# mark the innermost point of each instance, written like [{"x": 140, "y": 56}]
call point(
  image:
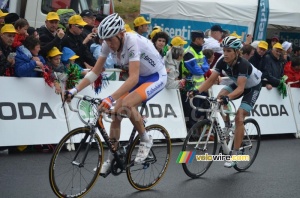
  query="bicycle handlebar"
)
[
  {"x": 210, "y": 99},
  {"x": 95, "y": 101}
]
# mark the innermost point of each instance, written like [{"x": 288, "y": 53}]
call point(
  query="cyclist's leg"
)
[
  {"x": 149, "y": 87},
  {"x": 224, "y": 92},
  {"x": 249, "y": 98}
]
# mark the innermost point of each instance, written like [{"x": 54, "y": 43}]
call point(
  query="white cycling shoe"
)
[{"x": 144, "y": 149}]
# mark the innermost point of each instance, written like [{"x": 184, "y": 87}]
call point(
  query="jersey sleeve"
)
[
  {"x": 219, "y": 65},
  {"x": 133, "y": 49},
  {"x": 104, "y": 50}
]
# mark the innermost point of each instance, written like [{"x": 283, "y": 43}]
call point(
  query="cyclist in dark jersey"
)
[{"x": 246, "y": 82}]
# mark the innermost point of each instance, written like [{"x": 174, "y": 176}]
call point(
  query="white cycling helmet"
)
[
  {"x": 232, "y": 42},
  {"x": 110, "y": 26}
]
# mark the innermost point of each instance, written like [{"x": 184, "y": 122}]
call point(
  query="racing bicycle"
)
[
  {"x": 203, "y": 137},
  {"x": 72, "y": 171}
]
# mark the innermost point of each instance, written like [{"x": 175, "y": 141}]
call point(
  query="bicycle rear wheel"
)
[
  {"x": 199, "y": 141},
  {"x": 71, "y": 172},
  {"x": 146, "y": 175},
  {"x": 250, "y": 144}
]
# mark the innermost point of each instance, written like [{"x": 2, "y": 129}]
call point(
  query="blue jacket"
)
[{"x": 24, "y": 66}]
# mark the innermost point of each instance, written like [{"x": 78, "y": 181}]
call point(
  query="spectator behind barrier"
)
[
  {"x": 141, "y": 25},
  {"x": 160, "y": 41},
  {"x": 292, "y": 70},
  {"x": 172, "y": 62},
  {"x": 259, "y": 54},
  {"x": 49, "y": 34},
  {"x": 58, "y": 69},
  {"x": 89, "y": 17},
  {"x": 287, "y": 50},
  {"x": 247, "y": 51},
  {"x": 7, "y": 56},
  {"x": 28, "y": 61},
  {"x": 21, "y": 26},
  {"x": 96, "y": 50},
  {"x": 74, "y": 41},
  {"x": 3, "y": 13},
  {"x": 273, "y": 65}
]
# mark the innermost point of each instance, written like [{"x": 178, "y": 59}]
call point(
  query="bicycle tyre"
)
[
  {"x": 250, "y": 144},
  {"x": 75, "y": 180},
  {"x": 146, "y": 175},
  {"x": 194, "y": 168}
]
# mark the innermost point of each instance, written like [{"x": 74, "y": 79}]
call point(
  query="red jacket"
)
[
  {"x": 292, "y": 74},
  {"x": 18, "y": 41}
]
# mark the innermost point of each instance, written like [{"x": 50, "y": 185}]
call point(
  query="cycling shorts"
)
[{"x": 250, "y": 95}]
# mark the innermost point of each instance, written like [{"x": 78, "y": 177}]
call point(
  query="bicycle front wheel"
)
[
  {"x": 250, "y": 144},
  {"x": 147, "y": 174},
  {"x": 199, "y": 143},
  {"x": 72, "y": 165}
]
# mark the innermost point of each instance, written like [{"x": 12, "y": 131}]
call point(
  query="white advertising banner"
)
[
  {"x": 295, "y": 101},
  {"x": 273, "y": 113},
  {"x": 31, "y": 113}
]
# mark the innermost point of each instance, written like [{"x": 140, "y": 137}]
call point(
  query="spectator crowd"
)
[{"x": 57, "y": 52}]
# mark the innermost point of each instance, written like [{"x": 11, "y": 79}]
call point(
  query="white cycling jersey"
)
[{"x": 136, "y": 48}]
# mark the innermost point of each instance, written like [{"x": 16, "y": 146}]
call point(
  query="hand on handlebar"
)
[
  {"x": 225, "y": 99},
  {"x": 106, "y": 103},
  {"x": 69, "y": 94}
]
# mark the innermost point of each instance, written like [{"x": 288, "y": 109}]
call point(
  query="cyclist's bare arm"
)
[
  {"x": 241, "y": 82},
  {"x": 97, "y": 69},
  {"x": 134, "y": 68}
]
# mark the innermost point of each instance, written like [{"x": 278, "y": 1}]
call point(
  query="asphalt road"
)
[{"x": 275, "y": 173}]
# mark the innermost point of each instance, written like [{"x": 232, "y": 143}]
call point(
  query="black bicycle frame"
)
[{"x": 110, "y": 144}]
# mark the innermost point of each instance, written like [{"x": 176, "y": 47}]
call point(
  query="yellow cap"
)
[
  {"x": 3, "y": 14},
  {"x": 277, "y": 46},
  {"x": 52, "y": 16},
  {"x": 74, "y": 57},
  {"x": 235, "y": 35},
  {"x": 152, "y": 34},
  {"x": 54, "y": 52},
  {"x": 263, "y": 44},
  {"x": 177, "y": 41},
  {"x": 127, "y": 28},
  {"x": 8, "y": 28},
  {"x": 140, "y": 21},
  {"x": 76, "y": 20}
]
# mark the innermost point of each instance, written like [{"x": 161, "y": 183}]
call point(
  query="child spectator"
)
[
  {"x": 58, "y": 69},
  {"x": 21, "y": 26},
  {"x": 74, "y": 71}
]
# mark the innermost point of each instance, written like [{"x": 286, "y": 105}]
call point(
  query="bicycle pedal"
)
[{"x": 104, "y": 175}]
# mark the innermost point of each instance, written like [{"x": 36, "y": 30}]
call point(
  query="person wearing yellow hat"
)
[
  {"x": 178, "y": 41},
  {"x": 3, "y": 13},
  {"x": 7, "y": 38},
  {"x": 257, "y": 59},
  {"x": 49, "y": 34},
  {"x": 58, "y": 69},
  {"x": 140, "y": 25},
  {"x": 128, "y": 28},
  {"x": 75, "y": 41},
  {"x": 273, "y": 67}
]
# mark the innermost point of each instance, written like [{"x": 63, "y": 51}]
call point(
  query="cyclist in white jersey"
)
[
  {"x": 147, "y": 77},
  {"x": 246, "y": 83}
]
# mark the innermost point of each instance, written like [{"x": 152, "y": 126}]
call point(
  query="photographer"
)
[{"x": 7, "y": 57}]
